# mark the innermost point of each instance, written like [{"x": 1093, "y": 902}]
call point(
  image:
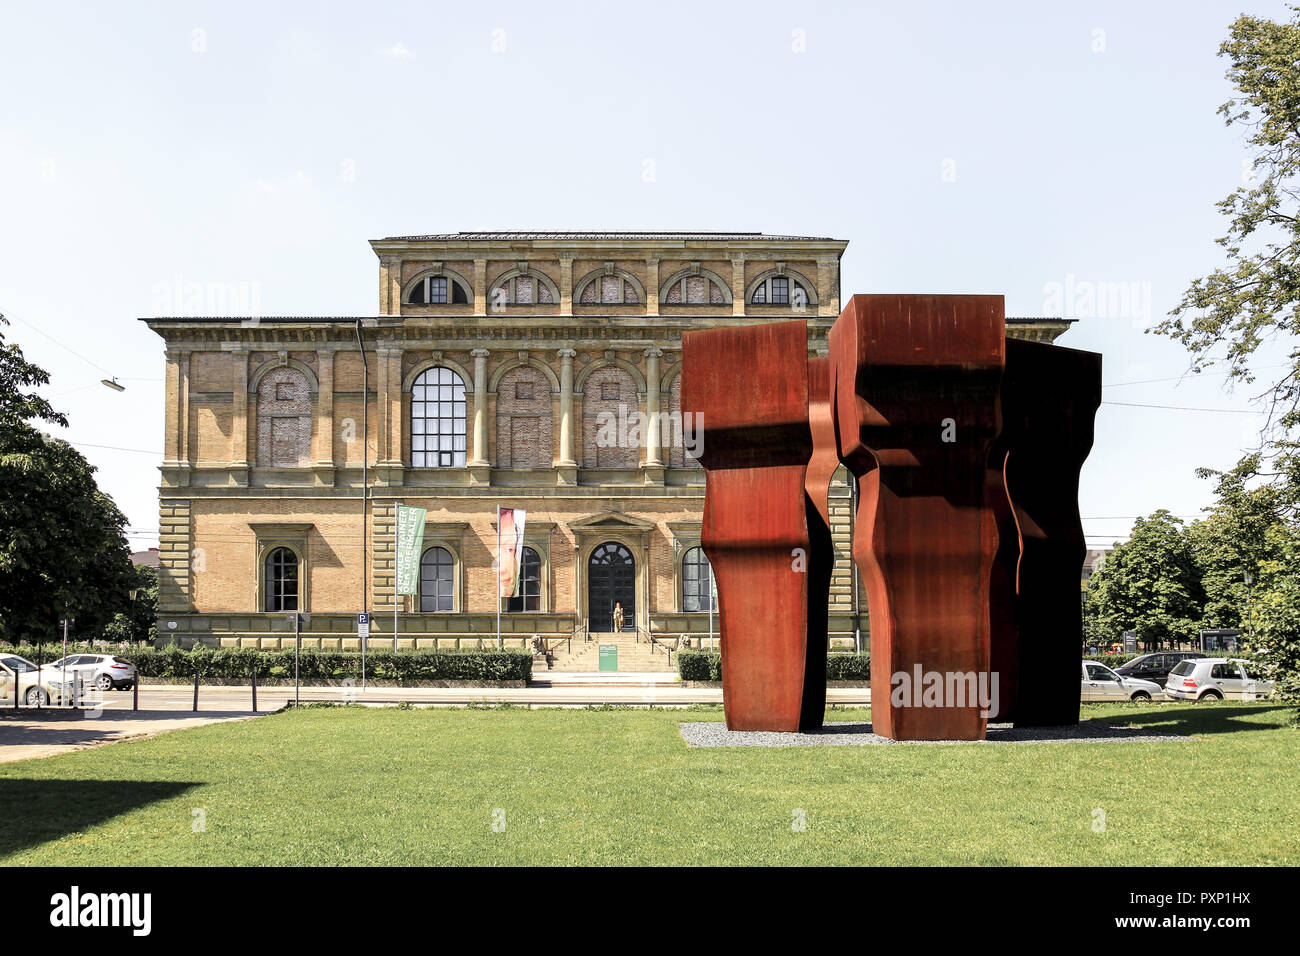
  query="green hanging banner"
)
[{"x": 410, "y": 540}]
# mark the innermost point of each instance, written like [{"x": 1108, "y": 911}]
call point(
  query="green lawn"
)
[{"x": 363, "y": 786}]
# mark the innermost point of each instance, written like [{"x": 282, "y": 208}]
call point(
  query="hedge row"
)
[
  {"x": 705, "y": 666},
  {"x": 237, "y": 663}
]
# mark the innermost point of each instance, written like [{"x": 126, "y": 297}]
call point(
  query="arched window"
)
[
  {"x": 609, "y": 403},
  {"x": 697, "y": 581},
  {"x": 438, "y": 420},
  {"x": 282, "y": 580},
  {"x": 283, "y": 418},
  {"x": 524, "y": 431},
  {"x": 698, "y": 288},
  {"x": 437, "y": 576},
  {"x": 780, "y": 290},
  {"x": 523, "y": 288},
  {"x": 530, "y": 583},
  {"x": 436, "y": 289},
  {"x": 608, "y": 287}
]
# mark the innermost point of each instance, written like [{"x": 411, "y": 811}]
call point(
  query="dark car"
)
[{"x": 1155, "y": 667}]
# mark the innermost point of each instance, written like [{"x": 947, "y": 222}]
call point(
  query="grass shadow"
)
[
  {"x": 1206, "y": 718},
  {"x": 38, "y": 811}
]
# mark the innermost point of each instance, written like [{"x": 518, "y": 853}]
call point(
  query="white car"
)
[
  {"x": 1216, "y": 678},
  {"x": 36, "y": 686},
  {"x": 1099, "y": 682},
  {"x": 97, "y": 670}
]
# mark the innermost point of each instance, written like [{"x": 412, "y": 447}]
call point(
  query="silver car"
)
[
  {"x": 1099, "y": 682},
  {"x": 97, "y": 670},
  {"x": 1216, "y": 678}
]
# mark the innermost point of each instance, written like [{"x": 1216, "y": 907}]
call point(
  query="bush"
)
[
  {"x": 704, "y": 666},
  {"x": 237, "y": 663}
]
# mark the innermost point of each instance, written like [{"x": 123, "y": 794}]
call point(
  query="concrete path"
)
[{"x": 56, "y": 732}]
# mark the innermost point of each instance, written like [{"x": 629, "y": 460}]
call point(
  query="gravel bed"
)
[{"x": 858, "y": 734}]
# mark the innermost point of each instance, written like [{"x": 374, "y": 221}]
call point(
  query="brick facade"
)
[{"x": 269, "y": 421}]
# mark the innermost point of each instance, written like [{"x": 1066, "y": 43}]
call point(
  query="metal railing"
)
[{"x": 654, "y": 642}]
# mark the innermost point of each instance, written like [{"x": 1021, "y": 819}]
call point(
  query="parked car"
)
[
  {"x": 98, "y": 670},
  {"x": 1216, "y": 678},
  {"x": 1155, "y": 667},
  {"x": 1099, "y": 682},
  {"x": 35, "y": 685}
]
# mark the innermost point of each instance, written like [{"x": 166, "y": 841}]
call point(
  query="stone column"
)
[
  {"x": 478, "y": 457},
  {"x": 394, "y": 401},
  {"x": 653, "y": 453},
  {"x": 566, "y": 287},
  {"x": 480, "y": 287},
  {"x": 738, "y": 285},
  {"x": 566, "y": 407},
  {"x": 239, "y": 416},
  {"x": 324, "y": 453},
  {"x": 652, "y": 287}
]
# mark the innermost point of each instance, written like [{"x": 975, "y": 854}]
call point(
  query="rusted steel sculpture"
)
[
  {"x": 916, "y": 400},
  {"x": 821, "y": 549},
  {"x": 749, "y": 387},
  {"x": 1050, "y": 396}
]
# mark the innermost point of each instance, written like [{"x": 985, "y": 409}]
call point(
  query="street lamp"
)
[{"x": 113, "y": 383}]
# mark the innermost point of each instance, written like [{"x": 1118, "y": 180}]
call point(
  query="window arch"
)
[
  {"x": 524, "y": 429},
  {"x": 523, "y": 287},
  {"x": 695, "y": 287},
  {"x": 283, "y": 417},
  {"x": 609, "y": 397},
  {"x": 697, "y": 581},
  {"x": 438, "y": 419},
  {"x": 437, "y": 580},
  {"x": 609, "y": 286},
  {"x": 437, "y": 288},
  {"x": 782, "y": 287},
  {"x": 530, "y": 583},
  {"x": 282, "y": 580}
]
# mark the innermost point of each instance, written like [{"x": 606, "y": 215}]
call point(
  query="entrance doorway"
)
[{"x": 611, "y": 579}]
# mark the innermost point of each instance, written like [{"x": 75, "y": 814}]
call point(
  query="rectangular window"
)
[
  {"x": 780, "y": 290},
  {"x": 438, "y": 290}
]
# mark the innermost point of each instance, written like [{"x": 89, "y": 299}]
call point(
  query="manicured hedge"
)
[
  {"x": 704, "y": 666},
  {"x": 236, "y": 663}
]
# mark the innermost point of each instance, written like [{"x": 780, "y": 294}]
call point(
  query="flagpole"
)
[
  {"x": 397, "y": 513},
  {"x": 498, "y": 580}
]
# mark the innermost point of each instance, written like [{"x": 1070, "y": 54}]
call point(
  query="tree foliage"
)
[
  {"x": 1149, "y": 584},
  {"x": 62, "y": 547}
]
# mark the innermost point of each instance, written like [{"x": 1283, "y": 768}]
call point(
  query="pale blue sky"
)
[{"x": 255, "y": 147}]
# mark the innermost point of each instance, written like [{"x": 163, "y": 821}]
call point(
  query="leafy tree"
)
[
  {"x": 1253, "y": 299},
  {"x": 62, "y": 547},
  {"x": 1231, "y": 542},
  {"x": 1149, "y": 584}
]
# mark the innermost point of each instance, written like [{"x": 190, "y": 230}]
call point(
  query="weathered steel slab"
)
[
  {"x": 748, "y": 388},
  {"x": 1050, "y": 397},
  {"x": 916, "y": 399}
]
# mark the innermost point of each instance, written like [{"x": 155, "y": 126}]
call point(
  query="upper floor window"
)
[
  {"x": 530, "y": 583},
  {"x": 282, "y": 580},
  {"x": 517, "y": 287},
  {"x": 437, "y": 290},
  {"x": 283, "y": 418},
  {"x": 438, "y": 420},
  {"x": 780, "y": 290},
  {"x": 699, "y": 287},
  {"x": 608, "y": 287}
]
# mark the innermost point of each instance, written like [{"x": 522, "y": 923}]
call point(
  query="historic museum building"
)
[{"x": 529, "y": 370}]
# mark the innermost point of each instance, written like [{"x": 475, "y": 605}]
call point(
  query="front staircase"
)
[{"x": 583, "y": 657}]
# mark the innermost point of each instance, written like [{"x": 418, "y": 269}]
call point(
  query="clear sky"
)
[{"x": 1066, "y": 155}]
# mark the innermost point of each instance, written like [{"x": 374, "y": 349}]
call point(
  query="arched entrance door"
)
[{"x": 611, "y": 579}]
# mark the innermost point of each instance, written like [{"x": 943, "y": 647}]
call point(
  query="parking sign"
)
[{"x": 363, "y": 625}]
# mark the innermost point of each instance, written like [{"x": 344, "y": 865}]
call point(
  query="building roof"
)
[
  {"x": 598, "y": 235},
  {"x": 353, "y": 319}
]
